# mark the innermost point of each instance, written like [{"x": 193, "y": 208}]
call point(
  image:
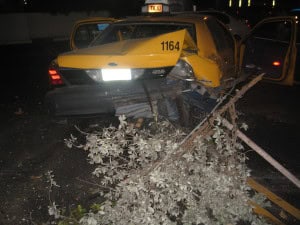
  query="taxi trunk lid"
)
[{"x": 160, "y": 51}]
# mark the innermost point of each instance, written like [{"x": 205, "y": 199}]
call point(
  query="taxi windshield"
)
[{"x": 121, "y": 32}]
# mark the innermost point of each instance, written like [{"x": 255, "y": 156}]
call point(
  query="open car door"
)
[
  {"x": 84, "y": 31},
  {"x": 270, "y": 48}
]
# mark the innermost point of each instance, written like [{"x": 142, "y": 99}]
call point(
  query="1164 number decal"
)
[{"x": 170, "y": 45}]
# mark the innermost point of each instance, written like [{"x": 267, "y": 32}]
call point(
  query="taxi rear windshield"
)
[{"x": 121, "y": 32}]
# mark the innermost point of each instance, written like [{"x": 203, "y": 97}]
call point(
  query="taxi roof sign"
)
[{"x": 156, "y": 6}]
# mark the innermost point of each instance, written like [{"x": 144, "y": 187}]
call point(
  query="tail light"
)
[
  {"x": 276, "y": 63},
  {"x": 55, "y": 78}
]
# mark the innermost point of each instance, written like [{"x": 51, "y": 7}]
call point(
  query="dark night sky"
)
[
  {"x": 65, "y": 6},
  {"x": 116, "y": 7}
]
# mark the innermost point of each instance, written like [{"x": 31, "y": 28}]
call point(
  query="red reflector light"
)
[
  {"x": 55, "y": 78},
  {"x": 276, "y": 63},
  {"x": 52, "y": 71}
]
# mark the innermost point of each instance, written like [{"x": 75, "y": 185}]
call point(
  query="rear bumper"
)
[
  {"x": 105, "y": 98},
  {"x": 77, "y": 101}
]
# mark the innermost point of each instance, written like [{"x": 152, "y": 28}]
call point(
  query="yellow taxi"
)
[{"x": 141, "y": 64}]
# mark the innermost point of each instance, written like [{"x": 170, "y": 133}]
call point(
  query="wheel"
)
[
  {"x": 194, "y": 107},
  {"x": 184, "y": 110}
]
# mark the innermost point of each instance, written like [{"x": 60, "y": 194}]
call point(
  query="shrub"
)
[{"x": 145, "y": 182}]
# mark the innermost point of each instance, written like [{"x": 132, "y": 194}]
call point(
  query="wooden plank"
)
[
  {"x": 265, "y": 213},
  {"x": 274, "y": 198}
]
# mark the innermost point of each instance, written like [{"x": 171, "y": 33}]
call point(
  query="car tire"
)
[{"x": 184, "y": 109}]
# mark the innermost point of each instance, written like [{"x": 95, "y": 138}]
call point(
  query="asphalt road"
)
[{"x": 31, "y": 143}]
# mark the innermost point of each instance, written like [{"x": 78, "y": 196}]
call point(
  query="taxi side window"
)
[
  {"x": 221, "y": 36},
  {"x": 86, "y": 33},
  {"x": 81, "y": 34},
  {"x": 277, "y": 31}
]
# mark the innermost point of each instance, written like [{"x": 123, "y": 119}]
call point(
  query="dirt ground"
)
[{"x": 31, "y": 144}]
